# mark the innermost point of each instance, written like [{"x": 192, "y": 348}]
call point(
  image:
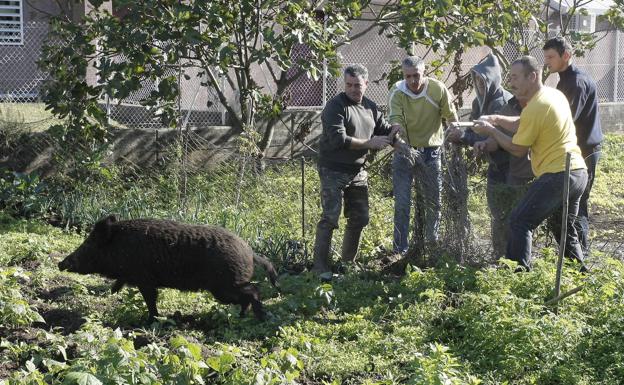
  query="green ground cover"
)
[{"x": 446, "y": 325}]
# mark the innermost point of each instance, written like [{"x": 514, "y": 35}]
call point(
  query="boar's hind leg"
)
[
  {"x": 150, "y": 295},
  {"x": 117, "y": 285},
  {"x": 249, "y": 295}
]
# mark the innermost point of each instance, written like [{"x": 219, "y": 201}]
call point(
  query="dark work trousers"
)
[
  {"x": 336, "y": 187},
  {"x": 582, "y": 220},
  {"x": 501, "y": 199},
  {"x": 543, "y": 199}
]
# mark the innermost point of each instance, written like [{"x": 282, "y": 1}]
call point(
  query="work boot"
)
[
  {"x": 322, "y": 246},
  {"x": 351, "y": 243}
]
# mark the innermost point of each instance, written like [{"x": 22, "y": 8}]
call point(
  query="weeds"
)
[{"x": 448, "y": 325}]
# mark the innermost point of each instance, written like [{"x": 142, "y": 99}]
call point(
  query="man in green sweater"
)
[
  {"x": 352, "y": 125},
  {"x": 418, "y": 104}
]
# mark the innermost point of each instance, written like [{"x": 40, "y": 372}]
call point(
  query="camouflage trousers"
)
[{"x": 336, "y": 187}]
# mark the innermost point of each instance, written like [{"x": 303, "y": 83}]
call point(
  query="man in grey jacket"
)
[
  {"x": 352, "y": 125},
  {"x": 492, "y": 98}
]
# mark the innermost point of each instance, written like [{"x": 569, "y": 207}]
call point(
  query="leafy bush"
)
[
  {"x": 14, "y": 308},
  {"x": 438, "y": 367},
  {"x": 23, "y": 194}
]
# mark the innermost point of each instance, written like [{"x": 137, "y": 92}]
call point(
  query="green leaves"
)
[
  {"x": 14, "y": 308},
  {"x": 448, "y": 26},
  {"x": 223, "y": 39},
  {"x": 81, "y": 378}
]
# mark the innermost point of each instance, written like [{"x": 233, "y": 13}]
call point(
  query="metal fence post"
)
[
  {"x": 108, "y": 109},
  {"x": 303, "y": 232},
  {"x": 616, "y": 66}
]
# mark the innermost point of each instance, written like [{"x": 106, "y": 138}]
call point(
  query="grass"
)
[{"x": 31, "y": 117}]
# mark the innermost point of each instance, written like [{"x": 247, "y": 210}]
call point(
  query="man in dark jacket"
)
[
  {"x": 491, "y": 99},
  {"x": 580, "y": 90},
  {"x": 503, "y": 195},
  {"x": 352, "y": 125}
]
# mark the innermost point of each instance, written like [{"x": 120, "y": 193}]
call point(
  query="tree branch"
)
[
  {"x": 557, "y": 299},
  {"x": 215, "y": 84}
]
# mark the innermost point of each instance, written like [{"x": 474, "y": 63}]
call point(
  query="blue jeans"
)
[
  {"x": 424, "y": 164},
  {"x": 543, "y": 199}
]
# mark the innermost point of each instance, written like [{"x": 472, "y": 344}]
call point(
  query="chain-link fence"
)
[
  {"x": 604, "y": 63},
  {"x": 275, "y": 204},
  {"x": 198, "y": 105},
  {"x": 193, "y": 174},
  {"x": 20, "y": 77}
]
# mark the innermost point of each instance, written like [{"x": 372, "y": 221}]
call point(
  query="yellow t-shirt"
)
[{"x": 547, "y": 127}]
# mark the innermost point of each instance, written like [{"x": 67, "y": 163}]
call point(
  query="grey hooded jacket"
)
[{"x": 491, "y": 102}]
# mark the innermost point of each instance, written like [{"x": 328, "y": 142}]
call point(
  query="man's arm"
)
[
  {"x": 447, "y": 111},
  {"x": 377, "y": 142},
  {"x": 578, "y": 99},
  {"x": 507, "y": 123},
  {"x": 505, "y": 141}
]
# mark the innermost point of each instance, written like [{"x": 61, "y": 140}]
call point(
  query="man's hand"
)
[
  {"x": 394, "y": 132},
  {"x": 483, "y": 146},
  {"x": 399, "y": 129},
  {"x": 401, "y": 147},
  {"x": 453, "y": 133},
  {"x": 483, "y": 127},
  {"x": 492, "y": 119},
  {"x": 379, "y": 142}
]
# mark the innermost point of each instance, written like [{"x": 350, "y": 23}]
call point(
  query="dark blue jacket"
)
[{"x": 580, "y": 90}]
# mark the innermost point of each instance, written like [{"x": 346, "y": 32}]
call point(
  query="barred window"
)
[{"x": 11, "y": 22}]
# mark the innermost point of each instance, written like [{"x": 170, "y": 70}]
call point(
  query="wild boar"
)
[{"x": 154, "y": 253}]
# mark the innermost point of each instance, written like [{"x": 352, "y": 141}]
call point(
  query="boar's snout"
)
[{"x": 67, "y": 264}]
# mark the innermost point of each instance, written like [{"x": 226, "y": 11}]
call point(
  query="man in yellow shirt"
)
[{"x": 546, "y": 128}]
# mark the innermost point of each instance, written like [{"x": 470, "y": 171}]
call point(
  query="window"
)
[
  {"x": 11, "y": 22},
  {"x": 583, "y": 23}
]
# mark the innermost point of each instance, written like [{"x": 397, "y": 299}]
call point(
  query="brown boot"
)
[
  {"x": 322, "y": 247},
  {"x": 351, "y": 243}
]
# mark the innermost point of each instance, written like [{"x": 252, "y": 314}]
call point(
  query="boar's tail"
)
[{"x": 267, "y": 266}]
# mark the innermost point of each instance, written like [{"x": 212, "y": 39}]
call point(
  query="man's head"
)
[
  {"x": 479, "y": 83},
  {"x": 525, "y": 77},
  {"x": 557, "y": 54},
  {"x": 356, "y": 81},
  {"x": 414, "y": 73}
]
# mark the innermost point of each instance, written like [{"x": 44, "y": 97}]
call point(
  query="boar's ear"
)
[{"x": 103, "y": 229}]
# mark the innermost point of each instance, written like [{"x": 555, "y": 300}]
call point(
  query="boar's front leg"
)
[{"x": 150, "y": 295}]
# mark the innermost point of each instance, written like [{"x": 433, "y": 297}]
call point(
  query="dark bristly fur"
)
[{"x": 154, "y": 253}]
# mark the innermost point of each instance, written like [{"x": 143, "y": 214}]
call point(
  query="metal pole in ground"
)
[
  {"x": 303, "y": 232},
  {"x": 564, "y": 226}
]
